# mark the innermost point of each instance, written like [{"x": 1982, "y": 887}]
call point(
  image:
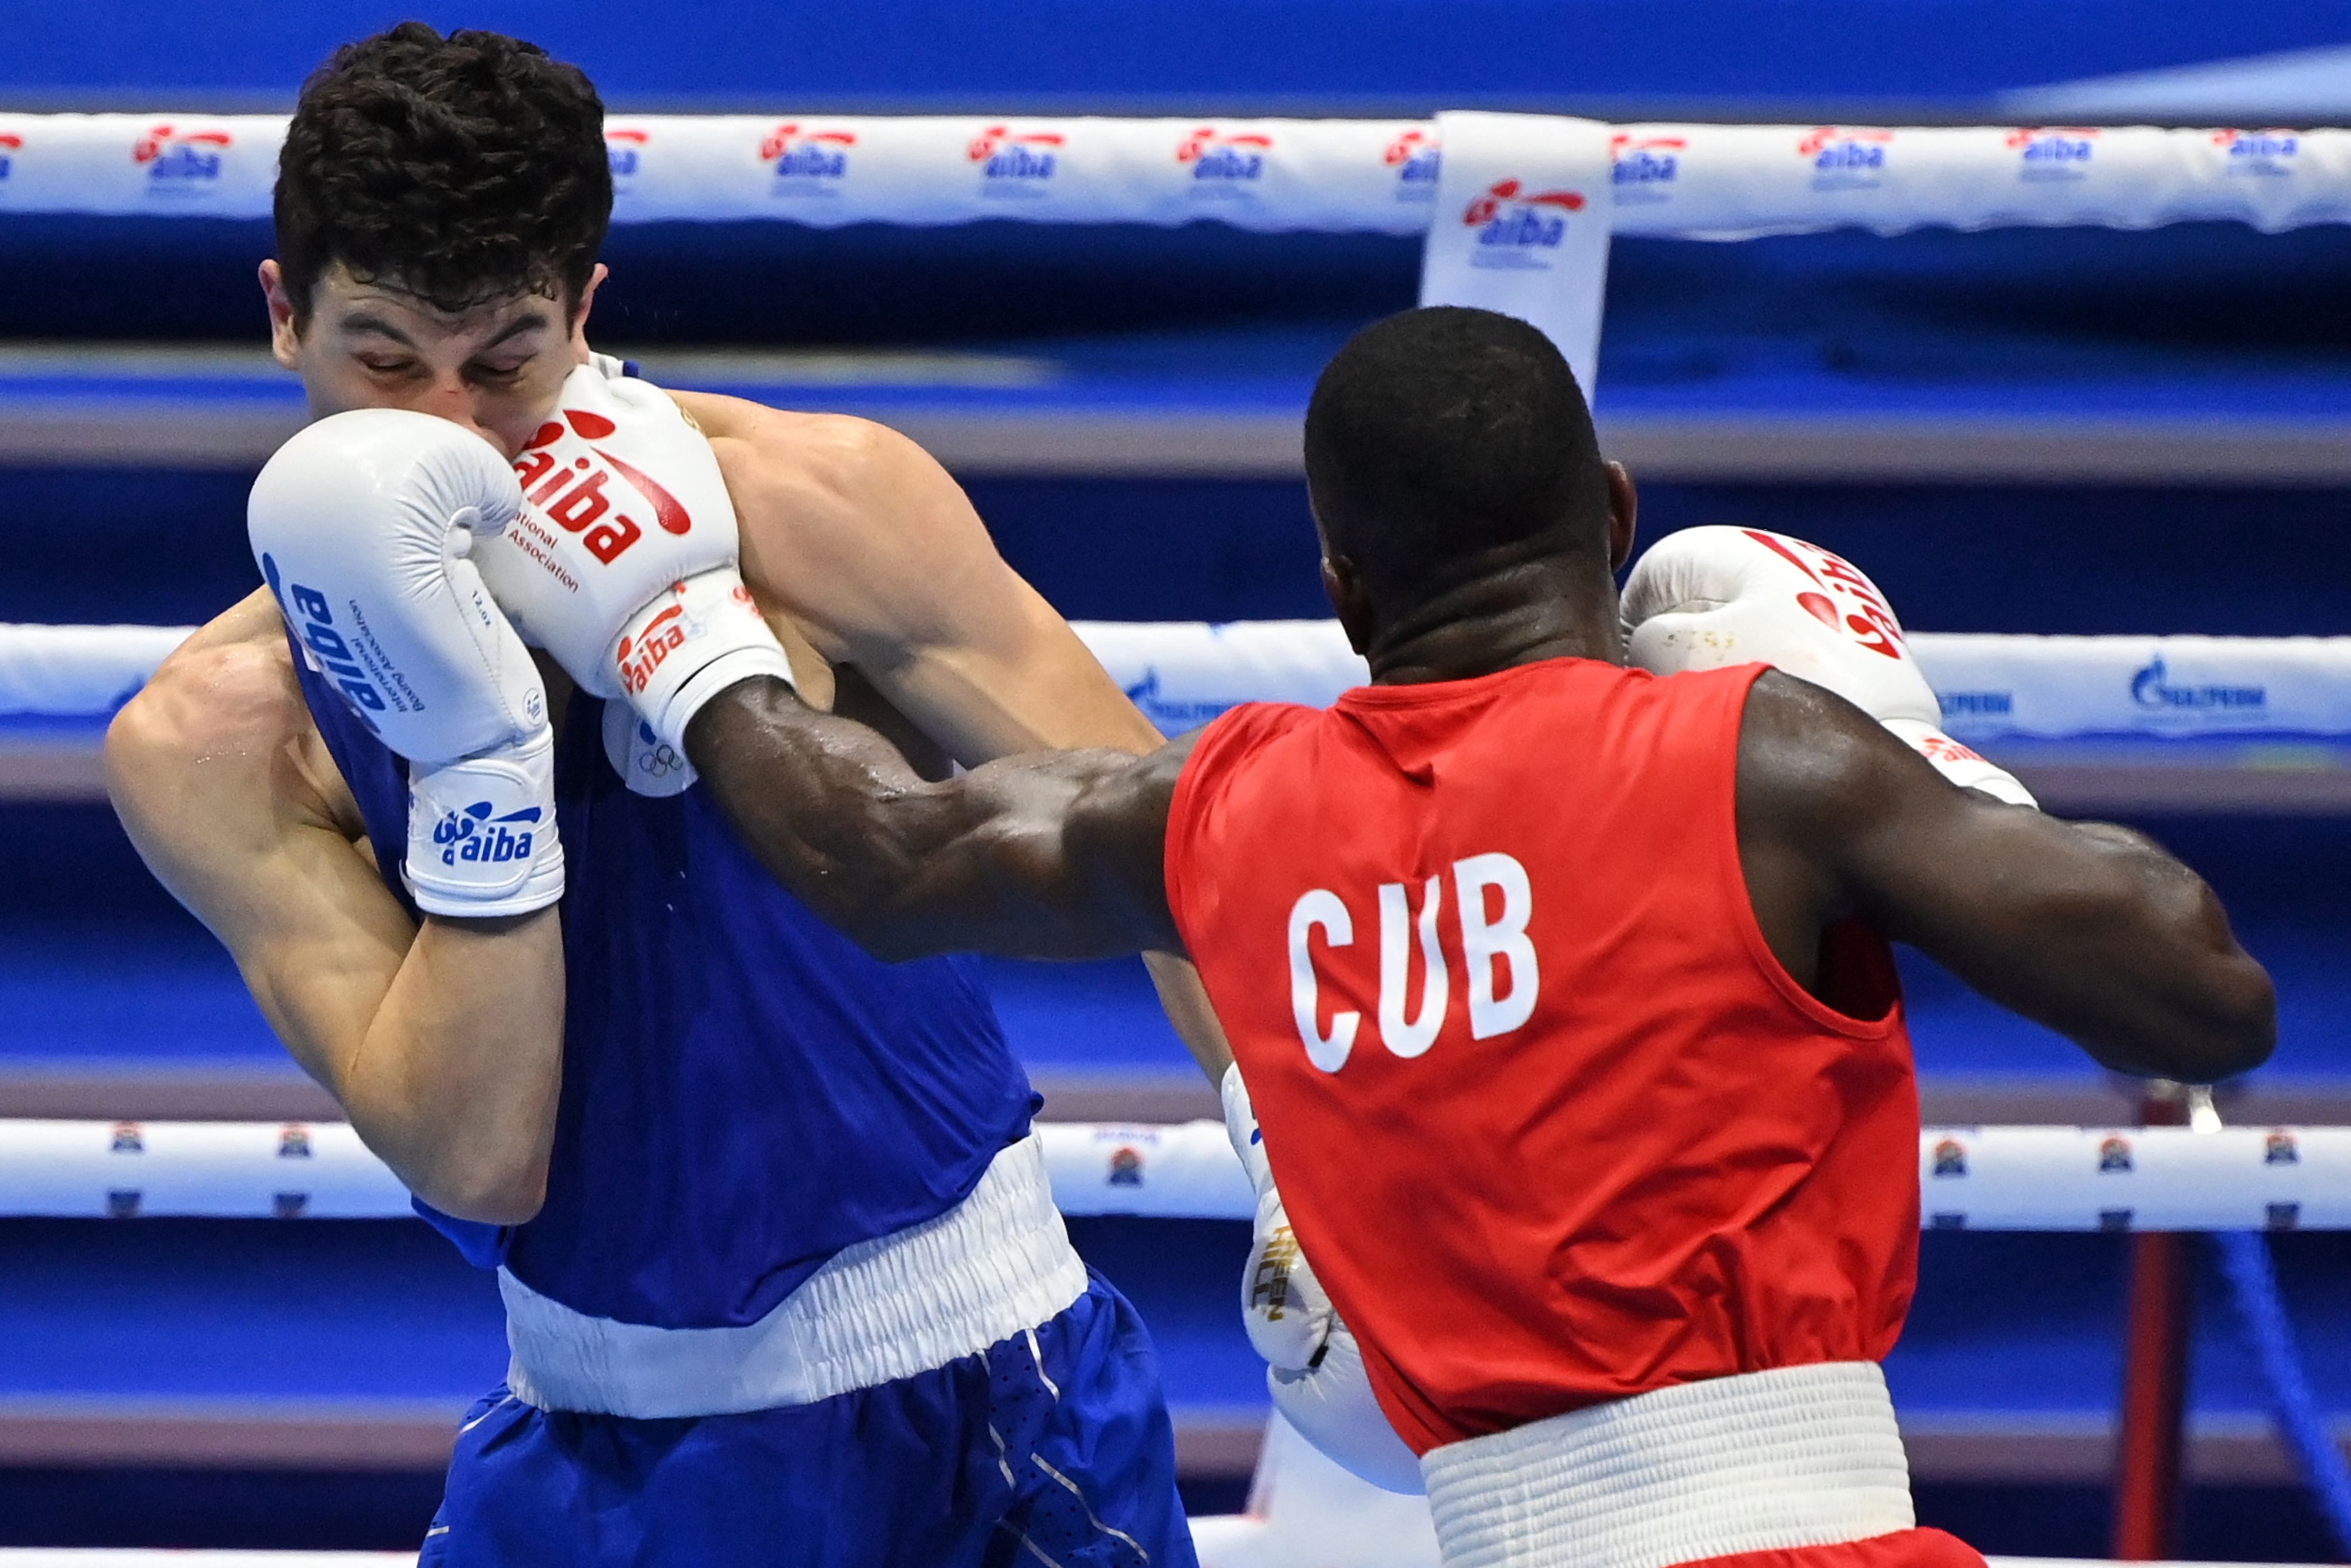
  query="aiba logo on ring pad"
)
[
  {"x": 1015, "y": 163},
  {"x": 178, "y": 160},
  {"x": 1222, "y": 164},
  {"x": 1416, "y": 158},
  {"x": 1643, "y": 168},
  {"x": 10, "y": 145},
  {"x": 2260, "y": 152},
  {"x": 625, "y": 151},
  {"x": 2047, "y": 153},
  {"x": 807, "y": 162},
  {"x": 1520, "y": 228},
  {"x": 1845, "y": 160}
]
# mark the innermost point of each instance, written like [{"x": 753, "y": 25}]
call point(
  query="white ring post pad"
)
[{"x": 1523, "y": 208}]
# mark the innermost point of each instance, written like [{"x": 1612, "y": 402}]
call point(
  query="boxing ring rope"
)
[
  {"x": 1713, "y": 182},
  {"x": 1977, "y": 1178},
  {"x": 1183, "y": 674}
]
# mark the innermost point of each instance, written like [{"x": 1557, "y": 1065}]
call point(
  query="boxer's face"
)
[{"x": 496, "y": 367}]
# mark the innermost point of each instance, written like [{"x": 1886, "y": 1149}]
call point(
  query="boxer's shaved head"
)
[
  {"x": 459, "y": 171},
  {"x": 1441, "y": 436}
]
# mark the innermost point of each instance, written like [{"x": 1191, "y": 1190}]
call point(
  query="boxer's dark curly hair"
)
[
  {"x": 460, "y": 170},
  {"x": 1445, "y": 433}
]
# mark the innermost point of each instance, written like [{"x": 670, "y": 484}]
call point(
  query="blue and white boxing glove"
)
[
  {"x": 363, "y": 526},
  {"x": 1314, "y": 1369},
  {"x": 623, "y": 563},
  {"x": 1706, "y": 597}
]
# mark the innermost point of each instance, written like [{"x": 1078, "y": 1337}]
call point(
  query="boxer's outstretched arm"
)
[
  {"x": 2084, "y": 926},
  {"x": 1044, "y": 855}
]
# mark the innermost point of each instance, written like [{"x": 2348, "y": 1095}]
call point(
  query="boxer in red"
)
[{"x": 1562, "y": 987}]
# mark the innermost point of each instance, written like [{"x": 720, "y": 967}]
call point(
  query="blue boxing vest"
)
[{"x": 745, "y": 1091}]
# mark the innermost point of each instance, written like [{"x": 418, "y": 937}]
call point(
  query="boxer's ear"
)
[
  {"x": 1351, "y": 597},
  {"x": 285, "y": 319},
  {"x": 580, "y": 308},
  {"x": 1624, "y": 515}
]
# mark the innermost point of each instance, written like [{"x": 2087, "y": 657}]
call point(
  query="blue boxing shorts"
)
[{"x": 1051, "y": 1446}]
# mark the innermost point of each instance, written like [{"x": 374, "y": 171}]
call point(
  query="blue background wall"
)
[{"x": 1141, "y": 53}]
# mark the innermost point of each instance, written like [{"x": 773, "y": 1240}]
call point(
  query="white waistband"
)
[
  {"x": 1802, "y": 1456},
  {"x": 997, "y": 1263}
]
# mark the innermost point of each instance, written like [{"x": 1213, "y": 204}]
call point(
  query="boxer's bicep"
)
[
  {"x": 206, "y": 767},
  {"x": 875, "y": 550},
  {"x": 2091, "y": 930}
]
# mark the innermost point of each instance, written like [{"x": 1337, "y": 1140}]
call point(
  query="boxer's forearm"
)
[
  {"x": 453, "y": 1082},
  {"x": 983, "y": 863}
]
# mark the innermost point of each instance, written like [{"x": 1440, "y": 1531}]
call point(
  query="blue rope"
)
[{"x": 2252, "y": 1282}]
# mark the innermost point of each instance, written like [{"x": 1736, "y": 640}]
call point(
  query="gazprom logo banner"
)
[
  {"x": 1521, "y": 225},
  {"x": 2082, "y": 687}
]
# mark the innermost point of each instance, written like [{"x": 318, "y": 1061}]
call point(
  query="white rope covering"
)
[
  {"x": 1990, "y": 1179},
  {"x": 1183, "y": 674},
  {"x": 1718, "y": 182}
]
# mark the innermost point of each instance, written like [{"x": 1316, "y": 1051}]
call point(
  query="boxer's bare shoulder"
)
[
  {"x": 225, "y": 786},
  {"x": 872, "y": 550}
]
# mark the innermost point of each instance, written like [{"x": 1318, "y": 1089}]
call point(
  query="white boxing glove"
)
[
  {"x": 1706, "y": 597},
  {"x": 1314, "y": 1369},
  {"x": 363, "y": 525},
  {"x": 623, "y": 563}
]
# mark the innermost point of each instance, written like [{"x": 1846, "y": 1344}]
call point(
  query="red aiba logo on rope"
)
[
  {"x": 1832, "y": 148},
  {"x": 1645, "y": 159},
  {"x": 625, "y": 151},
  {"x": 1415, "y": 157},
  {"x": 174, "y": 157},
  {"x": 2262, "y": 151},
  {"x": 10, "y": 142},
  {"x": 1508, "y": 214},
  {"x": 1212, "y": 155},
  {"x": 1029, "y": 155},
  {"x": 575, "y": 498},
  {"x": 804, "y": 158}
]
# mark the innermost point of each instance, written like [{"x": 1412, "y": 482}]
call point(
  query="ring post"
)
[{"x": 2154, "y": 1370}]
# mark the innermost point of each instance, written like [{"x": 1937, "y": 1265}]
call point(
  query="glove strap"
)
[
  {"x": 1960, "y": 765},
  {"x": 1240, "y": 1126},
  {"x": 689, "y": 645},
  {"x": 481, "y": 831}
]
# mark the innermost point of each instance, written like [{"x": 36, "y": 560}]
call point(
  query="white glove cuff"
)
[
  {"x": 481, "y": 831},
  {"x": 1960, "y": 765},
  {"x": 691, "y": 643},
  {"x": 1240, "y": 1126}
]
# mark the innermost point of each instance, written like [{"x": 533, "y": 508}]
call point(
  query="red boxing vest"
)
[{"x": 1552, "y": 1124}]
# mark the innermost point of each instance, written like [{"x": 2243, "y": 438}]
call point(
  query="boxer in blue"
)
[{"x": 784, "y": 1280}]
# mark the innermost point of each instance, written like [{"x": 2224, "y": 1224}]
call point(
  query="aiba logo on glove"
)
[
  {"x": 578, "y": 497},
  {"x": 473, "y": 836}
]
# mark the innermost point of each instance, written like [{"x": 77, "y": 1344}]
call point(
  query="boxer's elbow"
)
[
  {"x": 2232, "y": 1022},
  {"x": 487, "y": 1191}
]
